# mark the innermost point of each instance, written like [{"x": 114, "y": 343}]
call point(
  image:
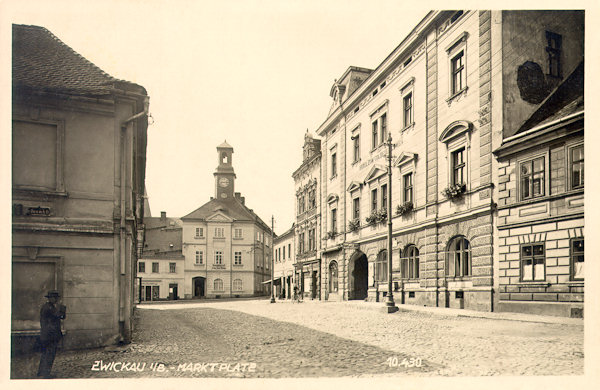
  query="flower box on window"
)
[
  {"x": 377, "y": 216},
  {"x": 331, "y": 235},
  {"x": 404, "y": 208},
  {"x": 454, "y": 191},
  {"x": 353, "y": 224}
]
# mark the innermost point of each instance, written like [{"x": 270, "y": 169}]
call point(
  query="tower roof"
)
[{"x": 225, "y": 145}]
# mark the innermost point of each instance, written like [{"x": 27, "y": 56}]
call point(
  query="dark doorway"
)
[
  {"x": 359, "y": 272},
  {"x": 173, "y": 291},
  {"x": 148, "y": 295},
  {"x": 313, "y": 286},
  {"x": 199, "y": 286}
]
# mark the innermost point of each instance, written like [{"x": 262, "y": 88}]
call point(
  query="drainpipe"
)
[{"x": 122, "y": 230}]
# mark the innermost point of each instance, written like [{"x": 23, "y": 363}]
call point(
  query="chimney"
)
[
  {"x": 243, "y": 200},
  {"x": 163, "y": 216}
]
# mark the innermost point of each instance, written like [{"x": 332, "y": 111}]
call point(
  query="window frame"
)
[
  {"x": 356, "y": 208},
  {"x": 572, "y": 163},
  {"x": 381, "y": 267},
  {"x": 355, "y": 147},
  {"x": 554, "y": 51},
  {"x": 530, "y": 184},
  {"x": 237, "y": 258},
  {"x": 462, "y": 268},
  {"x": 333, "y": 214},
  {"x": 236, "y": 235},
  {"x": 407, "y": 109},
  {"x": 142, "y": 267},
  {"x": 172, "y": 267},
  {"x": 456, "y": 49},
  {"x": 199, "y": 258},
  {"x": 218, "y": 285},
  {"x": 572, "y": 255},
  {"x": 533, "y": 257},
  {"x": 410, "y": 263},
  {"x": 459, "y": 70},
  {"x": 238, "y": 284},
  {"x": 155, "y": 267},
  {"x": 384, "y": 196},
  {"x": 218, "y": 257},
  {"x": 408, "y": 189},
  {"x": 374, "y": 200},
  {"x": 458, "y": 167}
]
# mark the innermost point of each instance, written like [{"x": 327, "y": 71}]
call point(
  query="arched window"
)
[
  {"x": 224, "y": 158},
  {"x": 410, "y": 262},
  {"x": 218, "y": 284},
  {"x": 333, "y": 277},
  {"x": 458, "y": 257},
  {"x": 381, "y": 269},
  {"x": 237, "y": 284}
]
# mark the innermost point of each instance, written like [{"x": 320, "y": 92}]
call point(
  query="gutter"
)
[{"x": 540, "y": 127}]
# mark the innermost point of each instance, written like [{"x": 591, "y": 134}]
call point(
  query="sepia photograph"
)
[{"x": 250, "y": 191}]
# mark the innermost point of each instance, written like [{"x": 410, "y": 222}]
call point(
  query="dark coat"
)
[{"x": 50, "y": 316}]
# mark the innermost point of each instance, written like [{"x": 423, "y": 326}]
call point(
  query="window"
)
[
  {"x": 237, "y": 285},
  {"x": 576, "y": 155},
  {"x": 410, "y": 263},
  {"x": 384, "y": 194},
  {"x": 301, "y": 243},
  {"x": 155, "y": 268},
  {"x": 374, "y": 137},
  {"x": 142, "y": 267},
  {"x": 532, "y": 178},
  {"x": 333, "y": 277},
  {"x": 219, "y": 232},
  {"x": 312, "y": 199},
  {"x": 172, "y": 267},
  {"x": 283, "y": 252},
  {"x": 289, "y": 250},
  {"x": 408, "y": 187},
  {"x": 218, "y": 257},
  {"x": 199, "y": 257},
  {"x": 457, "y": 72},
  {"x": 333, "y": 164},
  {"x": 311, "y": 239},
  {"x": 334, "y": 220},
  {"x": 218, "y": 284},
  {"x": 199, "y": 232},
  {"x": 237, "y": 233},
  {"x": 356, "y": 147},
  {"x": 533, "y": 264},
  {"x": 577, "y": 259},
  {"x": 301, "y": 204},
  {"x": 356, "y": 208},
  {"x": 383, "y": 127},
  {"x": 553, "y": 49},
  {"x": 408, "y": 110},
  {"x": 237, "y": 258},
  {"x": 458, "y": 259},
  {"x": 381, "y": 271},
  {"x": 374, "y": 200},
  {"x": 458, "y": 166}
]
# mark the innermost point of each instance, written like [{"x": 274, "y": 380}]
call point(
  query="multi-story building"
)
[
  {"x": 285, "y": 259},
  {"x": 541, "y": 209},
  {"x": 227, "y": 247},
  {"x": 78, "y": 172},
  {"x": 160, "y": 269},
  {"x": 447, "y": 95},
  {"x": 307, "y": 181}
]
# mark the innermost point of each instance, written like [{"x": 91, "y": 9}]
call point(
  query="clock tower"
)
[{"x": 224, "y": 175}]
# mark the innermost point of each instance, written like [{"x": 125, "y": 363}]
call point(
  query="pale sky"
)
[{"x": 254, "y": 73}]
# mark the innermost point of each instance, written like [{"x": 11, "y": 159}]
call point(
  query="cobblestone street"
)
[{"x": 314, "y": 339}]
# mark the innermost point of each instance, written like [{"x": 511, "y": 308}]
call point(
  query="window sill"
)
[
  {"x": 376, "y": 148},
  {"x": 238, "y": 238},
  {"x": 543, "y": 198},
  {"x": 198, "y": 265},
  {"x": 409, "y": 127},
  {"x": 356, "y": 162},
  {"x": 238, "y": 265},
  {"x": 457, "y": 96},
  {"x": 218, "y": 238},
  {"x": 199, "y": 237}
]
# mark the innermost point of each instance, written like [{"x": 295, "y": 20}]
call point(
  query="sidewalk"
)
[{"x": 443, "y": 311}]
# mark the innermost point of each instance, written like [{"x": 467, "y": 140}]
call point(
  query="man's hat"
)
[{"x": 53, "y": 293}]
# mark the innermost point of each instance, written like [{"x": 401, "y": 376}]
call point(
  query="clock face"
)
[{"x": 223, "y": 182}]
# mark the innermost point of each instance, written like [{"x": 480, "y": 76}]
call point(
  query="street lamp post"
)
[
  {"x": 389, "y": 302},
  {"x": 272, "y": 261}
]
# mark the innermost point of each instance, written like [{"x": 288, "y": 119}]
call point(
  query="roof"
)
[
  {"x": 42, "y": 62},
  {"x": 225, "y": 145},
  {"x": 233, "y": 208},
  {"x": 565, "y": 100},
  {"x": 162, "y": 238},
  {"x": 282, "y": 236}
]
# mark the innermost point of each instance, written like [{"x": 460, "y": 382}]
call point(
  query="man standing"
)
[{"x": 50, "y": 315}]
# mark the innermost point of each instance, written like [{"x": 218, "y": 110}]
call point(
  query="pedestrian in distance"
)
[{"x": 50, "y": 336}]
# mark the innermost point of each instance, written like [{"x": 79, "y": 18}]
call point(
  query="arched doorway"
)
[
  {"x": 359, "y": 276},
  {"x": 198, "y": 284},
  {"x": 333, "y": 277}
]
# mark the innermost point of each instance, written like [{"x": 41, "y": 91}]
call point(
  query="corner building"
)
[
  {"x": 226, "y": 246},
  {"x": 447, "y": 95}
]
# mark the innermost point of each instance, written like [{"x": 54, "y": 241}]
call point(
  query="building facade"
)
[
  {"x": 227, "y": 247},
  {"x": 458, "y": 84},
  {"x": 308, "y": 232},
  {"x": 78, "y": 172},
  {"x": 285, "y": 260},
  {"x": 160, "y": 268}
]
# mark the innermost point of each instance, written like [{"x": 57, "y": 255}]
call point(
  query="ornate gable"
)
[
  {"x": 405, "y": 158},
  {"x": 219, "y": 216},
  {"x": 455, "y": 129},
  {"x": 354, "y": 186}
]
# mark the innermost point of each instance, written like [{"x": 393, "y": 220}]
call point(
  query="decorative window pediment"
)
[
  {"x": 375, "y": 172},
  {"x": 354, "y": 186},
  {"x": 405, "y": 158},
  {"x": 332, "y": 198},
  {"x": 455, "y": 129}
]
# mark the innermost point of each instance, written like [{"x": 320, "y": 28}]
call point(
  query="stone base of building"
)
[
  {"x": 456, "y": 299},
  {"x": 557, "y": 309}
]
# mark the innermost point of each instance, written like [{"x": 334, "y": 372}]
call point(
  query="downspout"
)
[{"x": 122, "y": 230}]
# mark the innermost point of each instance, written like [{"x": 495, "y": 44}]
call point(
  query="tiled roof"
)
[
  {"x": 42, "y": 62},
  {"x": 159, "y": 235},
  {"x": 233, "y": 208},
  {"x": 565, "y": 100}
]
